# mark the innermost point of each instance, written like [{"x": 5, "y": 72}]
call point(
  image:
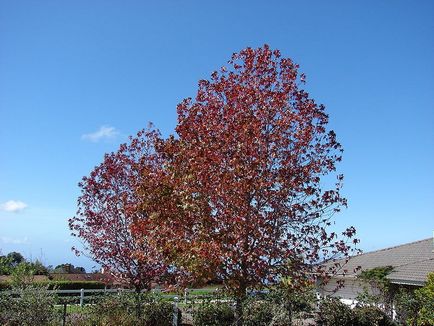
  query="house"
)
[{"x": 411, "y": 263}]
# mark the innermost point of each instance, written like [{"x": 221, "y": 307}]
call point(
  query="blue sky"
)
[{"x": 77, "y": 77}]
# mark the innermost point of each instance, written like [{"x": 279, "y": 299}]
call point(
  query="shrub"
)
[
  {"x": 258, "y": 313},
  {"x": 425, "y": 296},
  {"x": 131, "y": 309},
  {"x": 332, "y": 312},
  {"x": 265, "y": 313},
  {"x": 214, "y": 314},
  {"x": 27, "y": 306},
  {"x": 294, "y": 301},
  {"x": 158, "y": 313},
  {"x": 407, "y": 306},
  {"x": 371, "y": 316},
  {"x": 59, "y": 285},
  {"x": 72, "y": 285}
]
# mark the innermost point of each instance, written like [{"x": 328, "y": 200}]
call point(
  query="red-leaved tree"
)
[
  {"x": 108, "y": 207},
  {"x": 249, "y": 178}
]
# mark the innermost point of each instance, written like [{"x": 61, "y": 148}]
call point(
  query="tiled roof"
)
[{"x": 411, "y": 262}]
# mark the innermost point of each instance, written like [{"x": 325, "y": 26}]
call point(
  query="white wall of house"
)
[{"x": 352, "y": 288}]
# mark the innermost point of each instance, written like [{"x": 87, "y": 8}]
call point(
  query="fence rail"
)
[{"x": 185, "y": 297}]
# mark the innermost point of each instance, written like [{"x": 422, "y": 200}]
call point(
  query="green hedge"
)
[
  {"x": 72, "y": 285},
  {"x": 62, "y": 285}
]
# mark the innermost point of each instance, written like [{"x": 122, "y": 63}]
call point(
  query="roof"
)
[{"x": 411, "y": 262}]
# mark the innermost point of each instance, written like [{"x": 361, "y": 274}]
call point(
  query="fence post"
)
[
  {"x": 81, "y": 297},
  {"x": 64, "y": 314},
  {"x": 185, "y": 295},
  {"x": 175, "y": 311}
]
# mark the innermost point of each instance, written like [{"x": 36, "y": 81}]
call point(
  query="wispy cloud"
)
[
  {"x": 104, "y": 132},
  {"x": 8, "y": 240},
  {"x": 13, "y": 206}
]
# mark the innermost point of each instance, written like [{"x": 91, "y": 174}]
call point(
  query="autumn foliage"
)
[
  {"x": 247, "y": 169},
  {"x": 108, "y": 207},
  {"x": 241, "y": 194}
]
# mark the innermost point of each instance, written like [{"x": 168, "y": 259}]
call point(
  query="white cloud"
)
[
  {"x": 14, "y": 206},
  {"x": 8, "y": 240},
  {"x": 104, "y": 132}
]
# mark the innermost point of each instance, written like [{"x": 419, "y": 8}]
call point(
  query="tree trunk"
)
[
  {"x": 138, "y": 303},
  {"x": 239, "y": 300},
  {"x": 239, "y": 311}
]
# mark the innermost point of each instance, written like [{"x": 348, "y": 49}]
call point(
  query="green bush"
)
[
  {"x": 332, "y": 312},
  {"x": 425, "y": 296},
  {"x": 72, "y": 285},
  {"x": 158, "y": 313},
  {"x": 27, "y": 306},
  {"x": 258, "y": 313},
  {"x": 60, "y": 285},
  {"x": 130, "y": 309},
  {"x": 214, "y": 314},
  {"x": 371, "y": 316},
  {"x": 264, "y": 313}
]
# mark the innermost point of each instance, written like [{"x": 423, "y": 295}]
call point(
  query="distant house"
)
[{"x": 411, "y": 263}]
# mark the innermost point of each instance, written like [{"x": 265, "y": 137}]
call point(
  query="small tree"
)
[
  {"x": 245, "y": 197},
  {"x": 9, "y": 262},
  {"x": 425, "y": 296},
  {"x": 377, "y": 288},
  {"x": 108, "y": 207}
]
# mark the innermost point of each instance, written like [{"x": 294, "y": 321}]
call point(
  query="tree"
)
[
  {"x": 107, "y": 208},
  {"x": 5, "y": 265},
  {"x": 425, "y": 296},
  {"x": 15, "y": 258},
  {"x": 69, "y": 268},
  {"x": 247, "y": 176},
  {"x": 14, "y": 261}
]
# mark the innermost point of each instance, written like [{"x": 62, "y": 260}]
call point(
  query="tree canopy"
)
[
  {"x": 107, "y": 209},
  {"x": 242, "y": 193}
]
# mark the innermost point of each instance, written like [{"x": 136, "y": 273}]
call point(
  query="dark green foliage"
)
[
  {"x": 416, "y": 306},
  {"x": 425, "y": 296},
  {"x": 214, "y": 314},
  {"x": 332, "y": 312},
  {"x": 14, "y": 262},
  {"x": 378, "y": 291},
  {"x": 294, "y": 301},
  {"x": 73, "y": 285},
  {"x": 407, "y": 306},
  {"x": 371, "y": 316},
  {"x": 61, "y": 285},
  {"x": 377, "y": 277},
  {"x": 15, "y": 258},
  {"x": 158, "y": 313},
  {"x": 5, "y": 265},
  {"x": 258, "y": 313},
  {"x": 69, "y": 269}
]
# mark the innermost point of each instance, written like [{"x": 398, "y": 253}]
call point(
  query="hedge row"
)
[{"x": 62, "y": 285}]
